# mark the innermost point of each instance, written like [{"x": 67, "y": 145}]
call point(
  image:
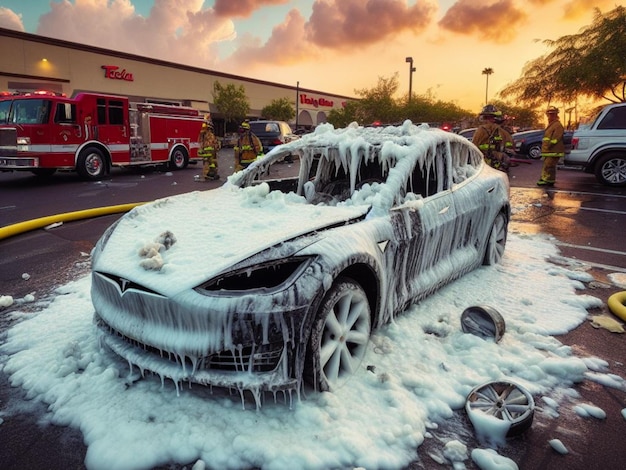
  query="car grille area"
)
[
  {"x": 251, "y": 351},
  {"x": 253, "y": 358}
]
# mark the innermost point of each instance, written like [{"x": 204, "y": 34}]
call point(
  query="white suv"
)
[{"x": 600, "y": 147}]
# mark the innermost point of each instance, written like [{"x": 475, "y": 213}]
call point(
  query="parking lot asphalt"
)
[
  {"x": 592, "y": 443},
  {"x": 28, "y": 442}
]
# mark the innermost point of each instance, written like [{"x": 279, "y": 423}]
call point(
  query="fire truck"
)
[{"x": 42, "y": 132}]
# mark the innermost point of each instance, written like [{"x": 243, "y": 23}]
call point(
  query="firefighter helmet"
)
[
  {"x": 552, "y": 110},
  {"x": 489, "y": 110},
  {"x": 208, "y": 122},
  {"x": 245, "y": 125}
]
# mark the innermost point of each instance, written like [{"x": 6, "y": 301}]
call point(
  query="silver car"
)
[{"x": 277, "y": 280}]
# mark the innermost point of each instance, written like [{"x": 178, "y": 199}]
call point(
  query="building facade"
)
[{"x": 29, "y": 62}]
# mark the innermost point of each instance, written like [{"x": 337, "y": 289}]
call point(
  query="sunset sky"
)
[{"x": 335, "y": 46}]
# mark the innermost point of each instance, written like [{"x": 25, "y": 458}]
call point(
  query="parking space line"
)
[{"x": 591, "y": 248}]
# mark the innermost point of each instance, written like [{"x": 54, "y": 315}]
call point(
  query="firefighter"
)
[
  {"x": 248, "y": 147},
  {"x": 494, "y": 142},
  {"x": 209, "y": 146},
  {"x": 552, "y": 147}
]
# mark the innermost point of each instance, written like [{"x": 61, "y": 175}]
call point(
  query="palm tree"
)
[{"x": 488, "y": 71}]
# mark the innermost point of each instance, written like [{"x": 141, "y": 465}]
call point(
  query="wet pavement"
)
[{"x": 585, "y": 219}]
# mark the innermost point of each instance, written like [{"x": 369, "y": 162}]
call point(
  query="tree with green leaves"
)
[
  {"x": 589, "y": 64},
  {"x": 280, "y": 109},
  {"x": 344, "y": 116},
  {"x": 231, "y": 101},
  {"x": 378, "y": 104}
]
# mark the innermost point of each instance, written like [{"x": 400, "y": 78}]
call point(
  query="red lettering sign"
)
[
  {"x": 113, "y": 72},
  {"x": 304, "y": 99}
]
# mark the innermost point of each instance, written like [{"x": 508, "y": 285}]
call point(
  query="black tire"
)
[
  {"x": 179, "y": 158},
  {"x": 91, "y": 164},
  {"x": 43, "y": 172},
  {"x": 340, "y": 335},
  {"x": 534, "y": 152},
  {"x": 610, "y": 169},
  {"x": 506, "y": 401},
  {"x": 496, "y": 243}
]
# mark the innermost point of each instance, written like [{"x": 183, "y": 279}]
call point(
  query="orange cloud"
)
[
  {"x": 177, "y": 31},
  {"x": 286, "y": 45},
  {"x": 496, "y": 21},
  {"x": 10, "y": 20},
  {"x": 576, "y": 9},
  {"x": 342, "y": 24},
  {"x": 242, "y": 8}
]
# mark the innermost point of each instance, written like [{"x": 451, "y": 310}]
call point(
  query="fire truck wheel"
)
[
  {"x": 91, "y": 164},
  {"x": 179, "y": 159}
]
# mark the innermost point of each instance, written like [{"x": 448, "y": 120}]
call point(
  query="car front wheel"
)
[
  {"x": 340, "y": 335},
  {"x": 534, "y": 152},
  {"x": 611, "y": 169}
]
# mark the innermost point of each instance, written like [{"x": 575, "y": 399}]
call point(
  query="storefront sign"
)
[
  {"x": 304, "y": 99},
  {"x": 113, "y": 72}
]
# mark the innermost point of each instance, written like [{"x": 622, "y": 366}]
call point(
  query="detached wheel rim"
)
[
  {"x": 505, "y": 401},
  {"x": 344, "y": 338}
]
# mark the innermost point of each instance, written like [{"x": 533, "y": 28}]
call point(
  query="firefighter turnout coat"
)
[
  {"x": 552, "y": 144},
  {"x": 247, "y": 150}
]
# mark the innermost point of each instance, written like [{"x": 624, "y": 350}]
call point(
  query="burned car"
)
[{"x": 277, "y": 280}]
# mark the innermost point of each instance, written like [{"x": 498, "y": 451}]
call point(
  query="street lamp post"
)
[
  {"x": 297, "y": 100},
  {"x": 411, "y": 70}
]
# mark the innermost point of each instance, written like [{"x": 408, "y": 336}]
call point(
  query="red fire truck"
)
[{"x": 42, "y": 132}]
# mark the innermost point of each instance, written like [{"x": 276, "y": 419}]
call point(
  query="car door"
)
[{"x": 424, "y": 230}]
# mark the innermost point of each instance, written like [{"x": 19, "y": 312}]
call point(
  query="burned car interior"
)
[{"x": 325, "y": 179}]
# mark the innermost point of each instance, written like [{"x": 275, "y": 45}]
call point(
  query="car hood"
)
[{"x": 213, "y": 230}]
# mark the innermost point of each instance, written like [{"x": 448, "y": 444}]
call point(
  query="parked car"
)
[
  {"x": 272, "y": 133},
  {"x": 229, "y": 139},
  {"x": 468, "y": 133},
  {"x": 600, "y": 147},
  {"x": 528, "y": 143},
  {"x": 265, "y": 284}
]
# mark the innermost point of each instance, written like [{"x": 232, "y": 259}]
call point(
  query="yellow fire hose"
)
[
  {"x": 21, "y": 227},
  {"x": 617, "y": 304}
]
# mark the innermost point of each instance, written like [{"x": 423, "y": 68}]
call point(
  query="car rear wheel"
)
[
  {"x": 534, "y": 152},
  {"x": 340, "y": 335},
  {"x": 496, "y": 241},
  {"x": 611, "y": 169}
]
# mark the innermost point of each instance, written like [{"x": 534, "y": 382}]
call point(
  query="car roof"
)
[{"x": 398, "y": 147}]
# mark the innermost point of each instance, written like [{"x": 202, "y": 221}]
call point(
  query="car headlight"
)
[
  {"x": 265, "y": 277},
  {"x": 23, "y": 141}
]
